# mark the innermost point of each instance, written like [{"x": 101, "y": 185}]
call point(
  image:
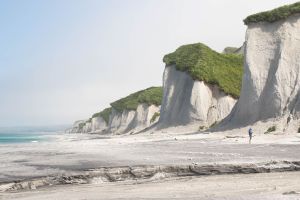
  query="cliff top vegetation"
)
[
  {"x": 205, "y": 64},
  {"x": 104, "y": 114},
  {"x": 149, "y": 96},
  {"x": 274, "y": 15}
]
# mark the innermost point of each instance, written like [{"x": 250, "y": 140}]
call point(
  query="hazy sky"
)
[{"x": 63, "y": 60}]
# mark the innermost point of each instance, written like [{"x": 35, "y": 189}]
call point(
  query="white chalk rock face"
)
[
  {"x": 132, "y": 120},
  {"x": 143, "y": 117},
  {"x": 98, "y": 124},
  {"x": 118, "y": 122},
  {"x": 271, "y": 82},
  {"x": 129, "y": 121},
  {"x": 189, "y": 102},
  {"x": 87, "y": 128},
  {"x": 75, "y": 128}
]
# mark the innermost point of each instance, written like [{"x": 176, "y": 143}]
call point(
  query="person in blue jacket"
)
[{"x": 250, "y": 131}]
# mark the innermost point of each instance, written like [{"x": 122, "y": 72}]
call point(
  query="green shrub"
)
[
  {"x": 154, "y": 117},
  {"x": 214, "y": 124},
  {"x": 104, "y": 114},
  {"x": 271, "y": 129},
  {"x": 201, "y": 128},
  {"x": 299, "y": 130},
  {"x": 204, "y": 64},
  {"x": 274, "y": 15},
  {"x": 150, "y": 96}
]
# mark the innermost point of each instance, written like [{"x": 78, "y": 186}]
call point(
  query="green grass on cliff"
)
[
  {"x": 204, "y": 64},
  {"x": 274, "y": 15},
  {"x": 150, "y": 96},
  {"x": 104, "y": 114}
]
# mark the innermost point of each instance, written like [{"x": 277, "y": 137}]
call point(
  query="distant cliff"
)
[{"x": 127, "y": 115}]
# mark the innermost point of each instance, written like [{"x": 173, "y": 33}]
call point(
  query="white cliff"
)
[
  {"x": 188, "y": 102},
  {"x": 132, "y": 120},
  {"x": 127, "y": 121},
  {"x": 93, "y": 125},
  {"x": 98, "y": 124},
  {"x": 76, "y": 128},
  {"x": 271, "y": 85},
  {"x": 119, "y": 121}
]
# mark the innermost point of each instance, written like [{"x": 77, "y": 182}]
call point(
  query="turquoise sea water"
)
[
  {"x": 21, "y": 138},
  {"x": 27, "y": 134}
]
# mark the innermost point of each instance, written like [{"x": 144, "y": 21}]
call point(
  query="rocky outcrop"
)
[
  {"x": 191, "y": 102},
  {"x": 77, "y": 127},
  {"x": 92, "y": 125},
  {"x": 127, "y": 121},
  {"x": 132, "y": 120},
  {"x": 271, "y": 86},
  {"x": 98, "y": 124}
]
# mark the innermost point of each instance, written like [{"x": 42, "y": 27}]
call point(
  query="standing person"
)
[{"x": 250, "y": 131}]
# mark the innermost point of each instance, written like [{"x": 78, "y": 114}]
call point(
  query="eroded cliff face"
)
[
  {"x": 118, "y": 122},
  {"x": 187, "y": 102},
  {"x": 76, "y": 128},
  {"x": 98, "y": 124},
  {"x": 134, "y": 120},
  {"x": 127, "y": 121},
  {"x": 94, "y": 125},
  {"x": 271, "y": 86}
]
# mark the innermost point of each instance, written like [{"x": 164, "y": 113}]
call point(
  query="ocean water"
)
[
  {"x": 20, "y": 138},
  {"x": 14, "y": 135}
]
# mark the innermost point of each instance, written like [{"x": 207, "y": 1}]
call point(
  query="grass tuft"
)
[
  {"x": 213, "y": 124},
  {"x": 271, "y": 129},
  {"x": 154, "y": 117}
]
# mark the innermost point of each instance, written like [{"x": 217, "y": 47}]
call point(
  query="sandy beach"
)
[{"x": 69, "y": 154}]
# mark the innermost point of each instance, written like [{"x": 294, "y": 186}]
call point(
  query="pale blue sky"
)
[{"x": 63, "y": 60}]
